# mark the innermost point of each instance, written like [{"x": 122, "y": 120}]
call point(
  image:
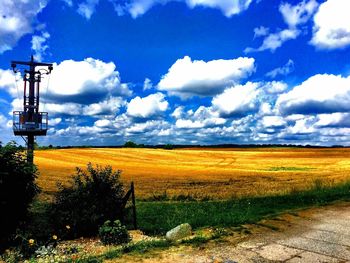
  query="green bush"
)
[
  {"x": 93, "y": 197},
  {"x": 17, "y": 190},
  {"x": 113, "y": 233}
]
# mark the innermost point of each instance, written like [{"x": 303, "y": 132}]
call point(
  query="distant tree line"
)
[{"x": 169, "y": 146}]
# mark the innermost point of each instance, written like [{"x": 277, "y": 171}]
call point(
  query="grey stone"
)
[{"x": 181, "y": 231}]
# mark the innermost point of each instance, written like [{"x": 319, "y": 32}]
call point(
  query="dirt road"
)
[{"x": 314, "y": 235}]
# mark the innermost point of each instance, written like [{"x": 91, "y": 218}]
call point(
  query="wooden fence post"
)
[{"x": 133, "y": 204}]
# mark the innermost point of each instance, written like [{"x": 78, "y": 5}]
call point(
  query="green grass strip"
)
[{"x": 159, "y": 217}]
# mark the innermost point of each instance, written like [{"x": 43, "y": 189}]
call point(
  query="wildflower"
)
[
  {"x": 31, "y": 242},
  {"x": 68, "y": 227},
  {"x": 54, "y": 237}
]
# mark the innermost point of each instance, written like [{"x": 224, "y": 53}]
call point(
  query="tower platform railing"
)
[{"x": 30, "y": 124}]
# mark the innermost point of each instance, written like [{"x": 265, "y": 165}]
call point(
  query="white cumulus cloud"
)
[
  {"x": 147, "y": 107},
  {"x": 302, "y": 126},
  {"x": 103, "y": 123},
  {"x": 147, "y": 84},
  {"x": 17, "y": 18},
  {"x": 261, "y": 31},
  {"x": 152, "y": 126},
  {"x": 273, "y": 121},
  {"x": 338, "y": 119},
  {"x": 84, "y": 81},
  {"x": 283, "y": 71},
  {"x": 8, "y": 81},
  {"x": 275, "y": 40},
  {"x": 58, "y": 109},
  {"x": 203, "y": 117},
  {"x": 109, "y": 106},
  {"x": 87, "y": 8},
  {"x": 137, "y": 8},
  {"x": 187, "y": 78},
  {"x": 39, "y": 45},
  {"x": 332, "y": 25},
  {"x": 238, "y": 100},
  {"x": 319, "y": 94},
  {"x": 275, "y": 87},
  {"x": 228, "y": 8},
  {"x": 298, "y": 14},
  {"x": 54, "y": 121},
  {"x": 294, "y": 16}
]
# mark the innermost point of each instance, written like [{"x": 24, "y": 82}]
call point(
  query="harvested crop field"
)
[{"x": 202, "y": 172}]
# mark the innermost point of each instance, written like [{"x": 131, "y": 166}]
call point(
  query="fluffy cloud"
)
[
  {"x": 103, "y": 123},
  {"x": 78, "y": 131},
  {"x": 87, "y": 8},
  {"x": 178, "y": 112},
  {"x": 261, "y": 31},
  {"x": 61, "y": 109},
  {"x": 68, "y": 2},
  {"x": 39, "y": 45},
  {"x": 153, "y": 126},
  {"x": 90, "y": 87},
  {"x": 147, "y": 84},
  {"x": 187, "y": 78},
  {"x": 17, "y": 18},
  {"x": 228, "y": 8},
  {"x": 54, "y": 121},
  {"x": 84, "y": 81},
  {"x": 293, "y": 17},
  {"x": 237, "y": 101},
  {"x": 275, "y": 87},
  {"x": 5, "y": 129},
  {"x": 337, "y": 119},
  {"x": 203, "y": 117},
  {"x": 137, "y": 8},
  {"x": 275, "y": 40},
  {"x": 318, "y": 94},
  {"x": 298, "y": 14},
  {"x": 3, "y": 120},
  {"x": 302, "y": 126},
  {"x": 332, "y": 25},
  {"x": 8, "y": 81},
  {"x": 147, "y": 107},
  {"x": 109, "y": 106},
  {"x": 273, "y": 122},
  {"x": 283, "y": 71}
]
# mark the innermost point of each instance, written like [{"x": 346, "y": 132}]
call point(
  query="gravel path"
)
[{"x": 314, "y": 235}]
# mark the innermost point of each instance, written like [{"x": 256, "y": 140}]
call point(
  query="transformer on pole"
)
[{"x": 30, "y": 122}]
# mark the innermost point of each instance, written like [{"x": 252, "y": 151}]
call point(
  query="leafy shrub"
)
[
  {"x": 93, "y": 197},
  {"x": 113, "y": 233},
  {"x": 17, "y": 190}
]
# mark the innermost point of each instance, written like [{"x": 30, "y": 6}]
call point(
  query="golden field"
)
[{"x": 204, "y": 172}]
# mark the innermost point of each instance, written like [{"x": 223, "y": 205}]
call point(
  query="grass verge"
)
[
  {"x": 159, "y": 217},
  {"x": 141, "y": 247}
]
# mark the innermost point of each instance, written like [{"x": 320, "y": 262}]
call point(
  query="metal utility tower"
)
[{"x": 30, "y": 122}]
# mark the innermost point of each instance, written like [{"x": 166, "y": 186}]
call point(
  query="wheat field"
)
[{"x": 202, "y": 172}]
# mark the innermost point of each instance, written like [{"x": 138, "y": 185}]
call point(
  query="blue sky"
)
[{"x": 182, "y": 71}]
